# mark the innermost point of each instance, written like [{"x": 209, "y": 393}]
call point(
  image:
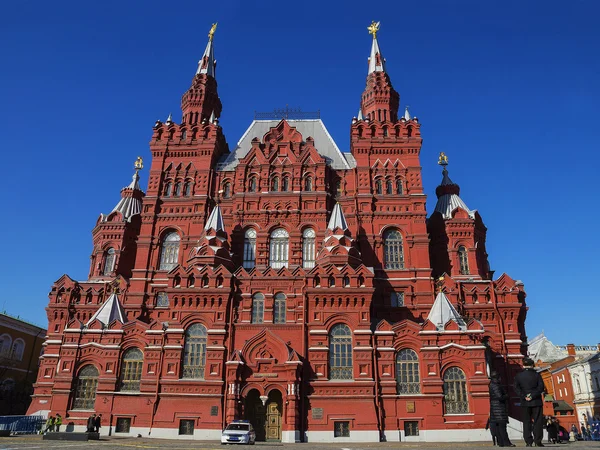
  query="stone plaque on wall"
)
[
  {"x": 410, "y": 407},
  {"x": 317, "y": 413},
  {"x": 214, "y": 410}
]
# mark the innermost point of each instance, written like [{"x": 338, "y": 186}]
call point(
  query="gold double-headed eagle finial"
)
[
  {"x": 443, "y": 159},
  {"x": 139, "y": 163},
  {"x": 374, "y": 28},
  {"x": 211, "y": 33},
  {"x": 439, "y": 284}
]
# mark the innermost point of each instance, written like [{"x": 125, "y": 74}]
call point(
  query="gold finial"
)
[
  {"x": 439, "y": 284},
  {"x": 443, "y": 160},
  {"x": 211, "y": 33},
  {"x": 139, "y": 163},
  {"x": 374, "y": 28}
]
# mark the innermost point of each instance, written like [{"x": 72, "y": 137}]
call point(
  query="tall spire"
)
[
  {"x": 376, "y": 61},
  {"x": 207, "y": 63},
  {"x": 131, "y": 196}
]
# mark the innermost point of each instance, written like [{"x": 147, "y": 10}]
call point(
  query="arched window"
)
[
  {"x": 346, "y": 281},
  {"x": 188, "y": 189},
  {"x": 258, "y": 308},
  {"x": 169, "y": 254},
  {"x": 285, "y": 184},
  {"x": 5, "y": 345},
  {"x": 399, "y": 189},
  {"x": 393, "y": 250},
  {"x": 183, "y": 134},
  {"x": 252, "y": 187},
  {"x": 331, "y": 281},
  {"x": 385, "y": 130},
  {"x": 131, "y": 370},
  {"x": 463, "y": 260},
  {"x": 455, "y": 391},
  {"x": 389, "y": 187},
  {"x": 194, "y": 352},
  {"x": 378, "y": 187},
  {"x": 279, "y": 308},
  {"x": 249, "y": 249},
  {"x": 159, "y": 135},
  {"x": 340, "y": 353},
  {"x": 227, "y": 189},
  {"x": 275, "y": 184},
  {"x": 308, "y": 248},
  {"x": 407, "y": 372},
  {"x": 17, "y": 350},
  {"x": 109, "y": 261},
  {"x": 177, "y": 189},
  {"x": 577, "y": 385},
  {"x": 409, "y": 131},
  {"x": 308, "y": 184},
  {"x": 279, "y": 248},
  {"x": 168, "y": 189},
  {"x": 85, "y": 390}
]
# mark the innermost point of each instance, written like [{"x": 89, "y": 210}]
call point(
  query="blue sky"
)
[{"x": 509, "y": 90}]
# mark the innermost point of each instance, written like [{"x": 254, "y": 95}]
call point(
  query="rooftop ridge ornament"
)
[
  {"x": 439, "y": 284},
  {"x": 213, "y": 28},
  {"x": 443, "y": 160},
  {"x": 288, "y": 114},
  {"x": 138, "y": 164},
  {"x": 374, "y": 28}
]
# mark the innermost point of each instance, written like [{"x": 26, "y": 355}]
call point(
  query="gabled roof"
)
[
  {"x": 109, "y": 311},
  {"x": 442, "y": 311}
]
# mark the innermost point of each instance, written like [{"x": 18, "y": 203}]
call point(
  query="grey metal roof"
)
[
  {"x": 130, "y": 206},
  {"x": 442, "y": 311},
  {"x": 215, "y": 220},
  {"x": 314, "y": 128},
  {"x": 447, "y": 203},
  {"x": 337, "y": 219},
  {"x": 109, "y": 311}
]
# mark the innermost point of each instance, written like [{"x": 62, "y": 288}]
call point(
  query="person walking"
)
[
  {"x": 98, "y": 423},
  {"x": 49, "y": 427},
  {"x": 57, "y": 422},
  {"x": 529, "y": 386},
  {"x": 91, "y": 423},
  {"x": 499, "y": 410}
]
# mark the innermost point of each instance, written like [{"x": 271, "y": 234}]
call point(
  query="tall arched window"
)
[
  {"x": 252, "y": 186},
  {"x": 131, "y": 370},
  {"x": 378, "y": 187},
  {"x": 177, "y": 189},
  {"x": 463, "y": 260},
  {"x": 275, "y": 184},
  {"x": 109, "y": 261},
  {"x": 249, "y": 249},
  {"x": 168, "y": 189},
  {"x": 169, "y": 254},
  {"x": 308, "y": 184},
  {"x": 407, "y": 372},
  {"x": 227, "y": 189},
  {"x": 389, "y": 187},
  {"x": 17, "y": 350},
  {"x": 393, "y": 250},
  {"x": 194, "y": 352},
  {"x": 5, "y": 345},
  {"x": 258, "y": 308},
  {"x": 399, "y": 189},
  {"x": 340, "y": 353},
  {"x": 279, "y": 308},
  {"x": 188, "y": 189},
  {"x": 308, "y": 248},
  {"x": 85, "y": 390},
  {"x": 455, "y": 391},
  {"x": 285, "y": 184},
  {"x": 278, "y": 256}
]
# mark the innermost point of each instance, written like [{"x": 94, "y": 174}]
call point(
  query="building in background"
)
[
  {"x": 585, "y": 374},
  {"x": 287, "y": 282},
  {"x": 20, "y": 348}
]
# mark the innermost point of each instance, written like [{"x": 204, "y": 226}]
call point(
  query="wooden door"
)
[{"x": 273, "y": 422}]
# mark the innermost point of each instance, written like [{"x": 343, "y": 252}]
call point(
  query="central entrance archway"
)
[{"x": 265, "y": 417}]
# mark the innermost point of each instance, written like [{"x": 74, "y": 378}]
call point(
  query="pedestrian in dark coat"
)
[
  {"x": 91, "y": 423},
  {"x": 499, "y": 410},
  {"x": 529, "y": 386},
  {"x": 98, "y": 423}
]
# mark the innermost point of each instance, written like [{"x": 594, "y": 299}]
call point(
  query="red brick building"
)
[{"x": 284, "y": 281}]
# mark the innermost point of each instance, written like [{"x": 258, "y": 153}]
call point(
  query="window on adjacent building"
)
[
  {"x": 308, "y": 248},
  {"x": 169, "y": 254},
  {"x": 18, "y": 348},
  {"x": 407, "y": 372},
  {"x": 393, "y": 250},
  {"x": 397, "y": 299},
  {"x": 455, "y": 391},
  {"x": 194, "y": 352},
  {"x": 341, "y": 429},
  {"x": 131, "y": 370},
  {"x": 258, "y": 308},
  {"x": 279, "y": 249},
  {"x": 463, "y": 260},
  {"x": 340, "y": 353},
  {"x": 249, "y": 249},
  {"x": 5, "y": 345},
  {"x": 279, "y": 308},
  {"x": 85, "y": 390},
  {"x": 109, "y": 261}
]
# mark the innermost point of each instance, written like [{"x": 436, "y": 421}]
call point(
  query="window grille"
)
[
  {"x": 170, "y": 251},
  {"x": 308, "y": 248},
  {"x": 407, "y": 372},
  {"x": 109, "y": 261},
  {"x": 279, "y": 308},
  {"x": 258, "y": 308},
  {"x": 85, "y": 391},
  {"x": 131, "y": 370},
  {"x": 279, "y": 248},
  {"x": 194, "y": 352},
  {"x": 186, "y": 427},
  {"x": 455, "y": 391},
  {"x": 393, "y": 250},
  {"x": 340, "y": 353},
  {"x": 411, "y": 428},
  {"x": 397, "y": 299},
  {"x": 463, "y": 259},
  {"x": 123, "y": 425},
  {"x": 341, "y": 429},
  {"x": 249, "y": 249}
]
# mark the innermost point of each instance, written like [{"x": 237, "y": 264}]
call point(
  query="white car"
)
[{"x": 238, "y": 432}]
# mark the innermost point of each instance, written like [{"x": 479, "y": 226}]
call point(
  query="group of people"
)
[
  {"x": 53, "y": 424},
  {"x": 556, "y": 433},
  {"x": 589, "y": 432},
  {"x": 94, "y": 423}
]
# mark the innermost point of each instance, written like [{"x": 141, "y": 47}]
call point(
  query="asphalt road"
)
[{"x": 36, "y": 442}]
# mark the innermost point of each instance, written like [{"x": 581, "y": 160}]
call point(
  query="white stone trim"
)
[
  {"x": 355, "y": 436},
  {"x": 318, "y": 332},
  {"x": 452, "y": 344},
  {"x": 362, "y": 332},
  {"x": 513, "y": 341}
]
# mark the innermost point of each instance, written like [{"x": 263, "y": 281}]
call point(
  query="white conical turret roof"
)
[
  {"x": 376, "y": 61},
  {"x": 406, "y": 114},
  {"x": 207, "y": 62},
  {"x": 109, "y": 311},
  {"x": 130, "y": 205},
  {"x": 337, "y": 219},
  {"x": 442, "y": 311},
  {"x": 215, "y": 220}
]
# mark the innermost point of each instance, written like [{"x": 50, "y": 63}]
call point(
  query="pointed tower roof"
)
[
  {"x": 376, "y": 61},
  {"x": 337, "y": 219},
  {"x": 207, "y": 64},
  {"x": 215, "y": 220},
  {"x": 131, "y": 195},
  {"x": 448, "y": 194},
  {"x": 406, "y": 113},
  {"x": 360, "y": 115},
  {"x": 109, "y": 311},
  {"x": 442, "y": 311}
]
